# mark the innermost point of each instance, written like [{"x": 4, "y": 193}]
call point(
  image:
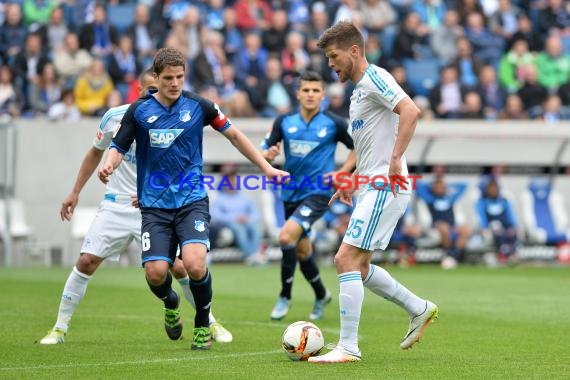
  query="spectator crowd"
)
[{"x": 489, "y": 59}]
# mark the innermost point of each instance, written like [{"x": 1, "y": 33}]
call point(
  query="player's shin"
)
[{"x": 202, "y": 291}]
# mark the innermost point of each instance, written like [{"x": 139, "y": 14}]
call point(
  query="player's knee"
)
[
  {"x": 286, "y": 238},
  {"x": 197, "y": 272},
  {"x": 88, "y": 263},
  {"x": 156, "y": 275},
  {"x": 178, "y": 270}
]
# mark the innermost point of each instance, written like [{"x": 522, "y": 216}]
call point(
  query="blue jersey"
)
[
  {"x": 169, "y": 147},
  {"x": 309, "y": 151},
  {"x": 495, "y": 210},
  {"x": 441, "y": 206}
]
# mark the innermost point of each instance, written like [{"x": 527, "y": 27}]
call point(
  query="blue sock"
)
[
  {"x": 202, "y": 292},
  {"x": 288, "y": 264}
]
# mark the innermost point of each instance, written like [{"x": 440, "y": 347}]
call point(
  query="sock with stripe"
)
[
  {"x": 165, "y": 292},
  {"x": 350, "y": 302},
  {"x": 288, "y": 265},
  {"x": 383, "y": 284},
  {"x": 73, "y": 292},
  {"x": 185, "y": 285},
  {"x": 311, "y": 272},
  {"x": 202, "y": 291}
]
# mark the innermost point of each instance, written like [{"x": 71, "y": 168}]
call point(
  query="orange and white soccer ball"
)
[{"x": 302, "y": 339}]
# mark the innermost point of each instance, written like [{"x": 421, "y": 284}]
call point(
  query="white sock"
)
[
  {"x": 185, "y": 284},
  {"x": 350, "y": 301},
  {"x": 73, "y": 293},
  {"x": 380, "y": 282}
]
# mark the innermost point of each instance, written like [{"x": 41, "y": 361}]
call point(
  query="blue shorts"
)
[
  {"x": 163, "y": 230},
  {"x": 307, "y": 211}
]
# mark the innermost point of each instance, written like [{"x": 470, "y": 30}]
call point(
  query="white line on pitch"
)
[{"x": 138, "y": 362}]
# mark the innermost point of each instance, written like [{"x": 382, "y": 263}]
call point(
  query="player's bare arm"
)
[
  {"x": 246, "y": 147},
  {"x": 114, "y": 159},
  {"x": 88, "y": 166},
  {"x": 409, "y": 115}
]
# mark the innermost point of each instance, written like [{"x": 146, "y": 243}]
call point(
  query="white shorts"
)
[
  {"x": 374, "y": 218},
  {"x": 115, "y": 226}
]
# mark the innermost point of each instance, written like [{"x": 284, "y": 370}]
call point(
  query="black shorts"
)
[
  {"x": 307, "y": 211},
  {"x": 163, "y": 230}
]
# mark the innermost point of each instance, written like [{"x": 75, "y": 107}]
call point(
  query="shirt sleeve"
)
[
  {"x": 214, "y": 116},
  {"x": 126, "y": 132},
  {"x": 275, "y": 135},
  {"x": 385, "y": 90},
  {"x": 107, "y": 128},
  {"x": 342, "y": 134}
]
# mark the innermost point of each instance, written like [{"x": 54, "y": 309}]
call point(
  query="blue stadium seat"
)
[
  {"x": 544, "y": 213},
  {"x": 423, "y": 74},
  {"x": 121, "y": 16}
]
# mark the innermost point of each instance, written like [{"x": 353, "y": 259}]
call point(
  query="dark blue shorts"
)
[
  {"x": 307, "y": 211},
  {"x": 163, "y": 230}
]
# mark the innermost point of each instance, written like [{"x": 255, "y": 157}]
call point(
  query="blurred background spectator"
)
[{"x": 526, "y": 44}]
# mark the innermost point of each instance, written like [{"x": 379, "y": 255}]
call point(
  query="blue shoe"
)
[
  {"x": 280, "y": 309},
  {"x": 319, "y": 306}
]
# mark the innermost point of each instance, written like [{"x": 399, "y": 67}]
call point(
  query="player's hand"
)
[
  {"x": 345, "y": 196},
  {"x": 280, "y": 176},
  {"x": 134, "y": 201},
  {"x": 68, "y": 206},
  {"x": 396, "y": 178},
  {"x": 104, "y": 173},
  {"x": 333, "y": 177},
  {"x": 273, "y": 151}
]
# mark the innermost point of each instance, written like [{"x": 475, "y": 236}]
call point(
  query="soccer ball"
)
[{"x": 302, "y": 339}]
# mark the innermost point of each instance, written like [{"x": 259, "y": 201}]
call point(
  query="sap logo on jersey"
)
[
  {"x": 357, "y": 124},
  {"x": 163, "y": 138},
  {"x": 300, "y": 148}
]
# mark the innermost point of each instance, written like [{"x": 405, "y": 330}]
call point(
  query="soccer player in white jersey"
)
[
  {"x": 116, "y": 225},
  {"x": 383, "y": 120}
]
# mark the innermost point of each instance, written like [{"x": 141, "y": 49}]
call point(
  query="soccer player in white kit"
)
[
  {"x": 115, "y": 226},
  {"x": 383, "y": 120}
]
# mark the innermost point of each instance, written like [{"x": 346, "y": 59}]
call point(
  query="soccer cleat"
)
[
  {"x": 338, "y": 355},
  {"x": 418, "y": 324},
  {"x": 202, "y": 338},
  {"x": 172, "y": 323},
  {"x": 54, "y": 336},
  {"x": 280, "y": 309},
  {"x": 319, "y": 307},
  {"x": 220, "y": 334}
]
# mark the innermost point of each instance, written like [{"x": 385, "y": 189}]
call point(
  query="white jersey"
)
[
  {"x": 124, "y": 178},
  {"x": 374, "y": 125}
]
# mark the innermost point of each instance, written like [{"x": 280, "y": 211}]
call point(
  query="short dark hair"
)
[
  {"x": 146, "y": 72},
  {"x": 167, "y": 57},
  {"x": 343, "y": 34},
  {"x": 311, "y": 76}
]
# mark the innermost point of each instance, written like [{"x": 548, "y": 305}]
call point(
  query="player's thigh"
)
[
  {"x": 192, "y": 224},
  {"x": 158, "y": 237},
  {"x": 111, "y": 230},
  {"x": 374, "y": 219}
]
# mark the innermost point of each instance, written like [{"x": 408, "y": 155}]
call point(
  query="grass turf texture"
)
[{"x": 509, "y": 323}]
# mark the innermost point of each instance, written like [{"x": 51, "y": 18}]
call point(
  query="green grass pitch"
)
[{"x": 510, "y": 323}]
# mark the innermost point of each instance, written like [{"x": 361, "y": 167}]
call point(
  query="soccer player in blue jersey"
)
[
  {"x": 117, "y": 224},
  {"x": 168, "y": 128},
  {"x": 309, "y": 138}
]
